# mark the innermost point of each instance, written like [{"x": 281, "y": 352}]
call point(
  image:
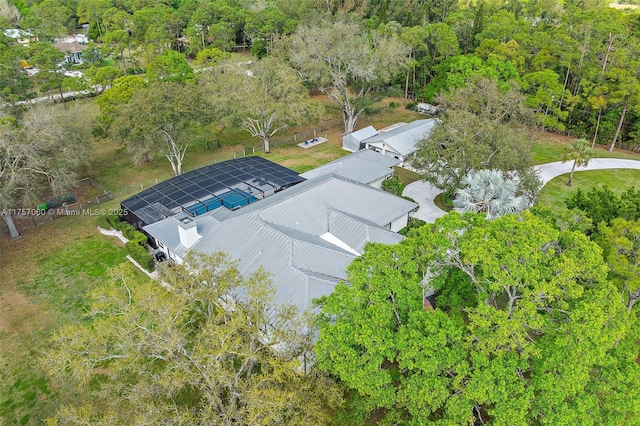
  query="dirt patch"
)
[{"x": 18, "y": 316}]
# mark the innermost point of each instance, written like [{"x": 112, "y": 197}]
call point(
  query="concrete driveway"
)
[{"x": 424, "y": 193}]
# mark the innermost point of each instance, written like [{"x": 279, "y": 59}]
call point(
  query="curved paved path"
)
[{"x": 424, "y": 193}]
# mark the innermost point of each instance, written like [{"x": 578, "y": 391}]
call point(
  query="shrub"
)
[
  {"x": 411, "y": 105},
  {"x": 393, "y": 186},
  {"x": 103, "y": 222},
  {"x": 393, "y": 105},
  {"x": 140, "y": 255},
  {"x": 114, "y": 220},
  {"x": 412, "y": 223},
  {"x": 98, "y": 132},
  {"x": 139, "y": 238},
  {"x": 127, "y": 230}
]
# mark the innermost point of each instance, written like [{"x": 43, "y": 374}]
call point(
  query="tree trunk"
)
[
  {"x": 13, "y": 231},
  {"x": 350, "y": 120},
  {"x": 62, "y": 97},
  {"x": 265, "y": 140},
  {"x": 615, "y": 137},
  {"x": 595, "y": 135},
  {"x": 406, "y": 88},
  {"x": 633, "y": 297},
  {"x": 564, "y": 87},
  {"x": 573, "y": 169}
]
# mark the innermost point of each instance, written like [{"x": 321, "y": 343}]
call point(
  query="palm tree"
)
[
  {"x": 10, "y": 13},
  {"x": 487, "y": 191},
  {"x": 580, "y": 152}
]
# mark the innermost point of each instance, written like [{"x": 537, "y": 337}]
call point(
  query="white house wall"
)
[
  {"x": 377, "y": 183},
  {"x": 399, "y": 223},
  {"x": 382, "y": 149}
]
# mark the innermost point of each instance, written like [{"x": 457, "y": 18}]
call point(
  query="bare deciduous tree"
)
[
  {"x": 37, "y": 153},
  {"x": 347, "y": 64}
]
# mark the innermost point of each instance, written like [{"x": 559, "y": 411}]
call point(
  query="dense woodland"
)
[
  {"x": 531, "y": 318},
  {"x": 576, "y": 62}
]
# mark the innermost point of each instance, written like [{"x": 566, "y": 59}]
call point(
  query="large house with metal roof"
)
[
  {"x": 399, "y": 141},
  {"x": 402, "y": 141},
  {"x": 305, "y": 235}
]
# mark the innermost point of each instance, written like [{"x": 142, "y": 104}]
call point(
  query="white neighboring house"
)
[
  {"x": 72, "y": 51},
  {"x": 355, "y": 141},
  {"x": 401, "y": 142}
]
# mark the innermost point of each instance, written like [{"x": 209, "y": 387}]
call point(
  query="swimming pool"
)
[{"x": 232, "y": 199}]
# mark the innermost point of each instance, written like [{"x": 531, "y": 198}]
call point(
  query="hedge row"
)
[
  {"x": 136, "y": 244},
  {"x": 140, "y": 255}
]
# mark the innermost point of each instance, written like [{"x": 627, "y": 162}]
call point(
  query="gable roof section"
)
[
  {"x": 283, "y": 233},
  {"x": 364, "y": 166},
  {"x": 364, "y": 133},
  {"x": 307, "y": 210},
  {"x": 404, "y": 139}
]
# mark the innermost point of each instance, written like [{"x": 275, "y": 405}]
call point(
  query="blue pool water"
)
[{"x": 231, "y": 199}]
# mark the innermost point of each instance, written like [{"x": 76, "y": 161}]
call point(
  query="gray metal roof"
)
[
  {"x": 364, "y": 133},
  {"x": 283, "y": 233},
  {"x": 364, "y": 166},
  {"x": 404, "y": 139}
]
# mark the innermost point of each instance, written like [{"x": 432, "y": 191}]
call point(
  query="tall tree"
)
[
  {"x": 204, "y": 352},
  {"x": 621, "y": 244},
  {"x": 544, "y": 94},
  {"x": 37, "y": 155},
  {"x": 113, "y": 99},
  {"x": 9, "y": 13},
  {"x": 171, "y": 113},
  {"x": 48, "y": 60},
  {"x": 482, "y": 127},
  {"x": 14, "y": 82},
  {"x": 524, "y": 328},
  {"x": 265, "y": 98},
  {"x": 580, "y": 153},
  {"x": 350, "y": 66},
  {"x": 91, "y": 11},
  {"x": 50, "y": 19},
  {"x": 170, "y": 66}
]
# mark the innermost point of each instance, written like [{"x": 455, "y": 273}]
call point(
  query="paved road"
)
[{"x": 424, "y": 193}]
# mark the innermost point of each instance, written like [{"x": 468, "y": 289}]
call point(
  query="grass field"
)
[
  {"x": 46, "y": 274},
  {"x": 549, "y": 147},
  {"x": 556, "y": 191}
]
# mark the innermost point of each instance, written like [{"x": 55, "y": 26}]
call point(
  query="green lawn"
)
[
  {"x": 556, "y": 191},
  {"x": 548, "y": 147},
  {"x": 406, "y": 176},
  {"x": 45, "y": 278}
]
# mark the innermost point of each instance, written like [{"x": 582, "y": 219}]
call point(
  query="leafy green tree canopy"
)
[
  {"x": 171, "y": 111},
  {"x": 522, "y": 328},
  {"x": 347, "y": 64},
  {"x": 483, "y": 127},
  {"x": 202, "y": 353},
  {"x": 170, "y": 66}
]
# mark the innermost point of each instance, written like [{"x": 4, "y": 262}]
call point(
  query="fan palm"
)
[
  {"x": 10, "y": 13},
  {"x": 487, "y": 191},
  {"x": 580, "y": 152}
]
